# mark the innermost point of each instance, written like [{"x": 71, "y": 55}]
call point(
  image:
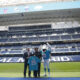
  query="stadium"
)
[{"x": 31, "y": 23}]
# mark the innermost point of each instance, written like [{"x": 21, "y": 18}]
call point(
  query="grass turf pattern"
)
[{"x": 57, "y": 69}]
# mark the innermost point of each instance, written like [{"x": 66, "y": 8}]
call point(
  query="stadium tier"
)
[
  {"x": 57, "y": 48},
  {"x": 40, "y": 33}
]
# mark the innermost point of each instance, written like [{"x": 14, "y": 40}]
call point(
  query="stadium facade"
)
[{"x": 32, "y": 23}]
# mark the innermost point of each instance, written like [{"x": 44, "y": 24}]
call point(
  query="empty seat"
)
[
  {"x": 73, "y": 50},
  {"x": 70, "y": 44},
  {"x": 13, "y": 40},
  {"x": 55, "y": 38},
  {"x": 61, "y": 50},
  {"x": 23, "y": 39},
  {"x": 45, "y": 38},
  {"x": 78, "y": 29},
  {"x": 23, "y": 28},
  {"x": 76, "y": 36},
  {"x": 35, "y": 38},
  {"x": 15, "y": 52},
  {"x": 78, "y": 48},
  {"x": 3, "y": 40},
  {"x": 66, "y": 37},
  {"x": 60, "y": 45},
  {"x": 3, "y": 52},
  {"x": 32, "y": 39},
  {"x": 78, "y": 44},
  {"x": 69, "y": 31},
  {"x": 58, "y": 31}
]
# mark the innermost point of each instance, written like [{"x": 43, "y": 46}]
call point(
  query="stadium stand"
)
[
  {"x": 35, "y": 34},
  {"x": 64, "y": 40},
  {"x": 31, "y": 23}
]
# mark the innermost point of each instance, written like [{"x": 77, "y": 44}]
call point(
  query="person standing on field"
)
[
  {"x": 33, "y": 64},
  {"x": 46, "y": 52},
  {"x": 39, "y": 55},
  {"x": 26, "y": 56}
]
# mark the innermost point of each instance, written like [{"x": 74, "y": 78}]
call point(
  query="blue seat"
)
[
  {"x": 23, "y": 39},
  {"x": 69, "y": 31},
  {"x": 60, "y": 45},
  {"x": 66, "y": 37},
  {"x": 3, "y": 52},
  {"x": 15, "y": 52},
  {"x": 55, "y": 38},
  {"x": 76, "y": 36},
  {"x": 78, "y": 48},
  {"x": 78, "y": 44},
  {"x": 13, "y": 40},
  {"x": 45, "y": 38},
  {"x": 78, "y": 29},
  {"x": 35, "y": 38},
  {"x": 3, "y": 40},
  {"x": 73, "y": 50},
  {"x": 61, "y": 50},
  {"x": 70, "y": 44}
]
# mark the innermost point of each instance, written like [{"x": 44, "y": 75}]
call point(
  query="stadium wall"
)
[{"x": 66, "y": 58}]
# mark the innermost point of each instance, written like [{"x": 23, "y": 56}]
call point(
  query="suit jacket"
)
[{"x": 26, "y": 56}]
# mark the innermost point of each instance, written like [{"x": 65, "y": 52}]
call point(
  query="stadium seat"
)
[
  {"x": 66, "y": 37},
  {"x": 55, "y": 38},
  {"x": 76, "y": 36}
]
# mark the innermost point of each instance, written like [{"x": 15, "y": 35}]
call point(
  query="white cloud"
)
[
  {"x": 16, "y": 9},
  {"x": 38, "y": 7}
]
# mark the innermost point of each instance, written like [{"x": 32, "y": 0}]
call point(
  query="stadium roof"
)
[
  {"x": 40, "y": 17},
  {"x": 50, "y": 13},
  {"x": 39, "y": 7},
  {"x": 17, "y": 2}
]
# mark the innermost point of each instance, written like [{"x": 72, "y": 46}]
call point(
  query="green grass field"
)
[{"x": 58, "y": 69}]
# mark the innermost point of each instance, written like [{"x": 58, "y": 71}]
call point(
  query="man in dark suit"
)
[
  {"x": 39, "y": 55},
  {"x": 26, "y": 57}
]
